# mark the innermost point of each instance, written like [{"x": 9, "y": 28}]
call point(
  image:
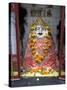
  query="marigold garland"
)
[{"x": 39, "y": 58}]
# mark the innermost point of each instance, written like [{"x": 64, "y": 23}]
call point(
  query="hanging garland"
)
[{"x": 37, "y": 56}]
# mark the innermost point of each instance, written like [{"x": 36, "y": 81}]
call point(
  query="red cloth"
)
[{"x": 49, "y": 61}]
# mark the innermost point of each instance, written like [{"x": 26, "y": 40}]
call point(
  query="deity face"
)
[{"x": 40, "y": 31}]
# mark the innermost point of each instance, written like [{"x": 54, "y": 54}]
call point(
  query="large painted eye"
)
[{"x": 38, "y": 28}]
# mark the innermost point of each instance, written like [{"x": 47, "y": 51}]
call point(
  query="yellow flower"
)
[
  {"x": 46, "y": 35},
  {"x": 45, "y": 51},
  {"x": 44, "y": 55},
  {"x": 33, "y": 40},
  {"x": 45, "y": 48},
  {"x": 33, "y": 48},
  {"x": 33, "y": 35},
  {"x": 33, "y": 26},
  {"x": 34, "y": 52},
  {"x": 47, "y": 40},
  {"x": 41, "y": 57},
  {"x": 38, "y": 60},
  {"x": 31, "y": 44},
  {"x": 49, "y": 45}
]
